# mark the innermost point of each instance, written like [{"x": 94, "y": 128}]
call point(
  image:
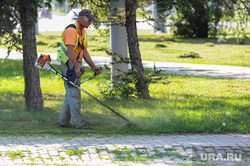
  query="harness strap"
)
[
  {"x": 63, "y": 48},
  {"x": 85, "y": 36},
  {"x": 63, "y": 56}
]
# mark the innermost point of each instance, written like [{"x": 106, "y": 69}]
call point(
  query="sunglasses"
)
[{"x": 87, "y": 19}]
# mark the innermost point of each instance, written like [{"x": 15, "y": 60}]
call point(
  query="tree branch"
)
[{"x": 248, "y": 9}]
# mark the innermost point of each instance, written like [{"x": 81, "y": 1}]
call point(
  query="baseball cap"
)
[{"x": 88, "y": 13}]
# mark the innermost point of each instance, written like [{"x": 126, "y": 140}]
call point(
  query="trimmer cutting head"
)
[{"x": 129, "y": 126}]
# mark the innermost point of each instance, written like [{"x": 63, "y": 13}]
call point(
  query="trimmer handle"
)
[
  {"x": 82, "y": 69},
  {"x": 91, "y": 77},
  {"x": 96, "y": 71}
]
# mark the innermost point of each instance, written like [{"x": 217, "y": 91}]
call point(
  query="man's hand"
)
[
  {"x": 79, "y": 73},
  {"x": 73, "y": 60},
  {"x": 97, "y": 70},
  {"x": 89, "y": 61}
]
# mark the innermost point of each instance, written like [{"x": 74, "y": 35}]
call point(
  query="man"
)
[{"x": 73, "y": 48}]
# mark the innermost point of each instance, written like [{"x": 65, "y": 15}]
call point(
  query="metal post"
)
[
  {"x": 118, "y": 39},
  {"x": 66, "y": 6}
]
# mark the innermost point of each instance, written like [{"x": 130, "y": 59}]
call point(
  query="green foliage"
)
[
  {"x": 123, "y": 85},
  {"x": 101, "y": 10},
  {"x": 190, "y": 55},
  {"x": 200, "y": 18},
  {"x": 120, "y": 90},
  {"x": 196, "y": 17},
  {"x": 8, "y": 23},
  {"x": 242, "y": 12}
]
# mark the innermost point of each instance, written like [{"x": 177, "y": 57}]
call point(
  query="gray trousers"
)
[{"x": 72, "y": 103}]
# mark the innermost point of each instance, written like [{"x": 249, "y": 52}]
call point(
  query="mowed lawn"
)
[
  {"x": 164, "y": 47},
  {"x": 180, "y": 105}
]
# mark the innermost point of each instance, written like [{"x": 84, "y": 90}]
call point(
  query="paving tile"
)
[{"x": 50, "y": 149}]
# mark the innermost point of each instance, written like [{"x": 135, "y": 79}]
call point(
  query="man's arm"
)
[
  {"x": 73, "y": 60},
  {"x": 89, "y": 61}
]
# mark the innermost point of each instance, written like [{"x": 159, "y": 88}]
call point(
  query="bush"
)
[
  {"x": 119, "y": 90},
  {"x": 190, "y": 55},
  {"x": 209, "y": 44}
]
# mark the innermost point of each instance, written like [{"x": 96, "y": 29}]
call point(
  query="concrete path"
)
[
  {"x": 96, "y": 149},
  {"x": 196, "y": 70}
]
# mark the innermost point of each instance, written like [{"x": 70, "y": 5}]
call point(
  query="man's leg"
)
[
  {"x": 64, "y": 118},
  {"x": 75, "y": 107},
  {"x": 73, "y": 100}
]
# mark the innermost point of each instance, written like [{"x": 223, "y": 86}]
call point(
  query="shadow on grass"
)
[
  {"x": 183, "y": 114},
  {"x": 10, "y": 68},
  {"x": 11, "y": 100},
  {"x": 187, "y": 114},
  {"x": 230, "y": 41}
]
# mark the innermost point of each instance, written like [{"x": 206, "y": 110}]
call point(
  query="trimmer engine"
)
[{"x": 43, "y": 62}]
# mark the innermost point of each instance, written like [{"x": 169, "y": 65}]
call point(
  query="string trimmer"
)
[{"x": 43, "y": 63}]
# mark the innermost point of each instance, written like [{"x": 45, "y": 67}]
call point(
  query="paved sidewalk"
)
[
  {"x": 97, "y": 149},
  {"x": 196, "y": 70}
]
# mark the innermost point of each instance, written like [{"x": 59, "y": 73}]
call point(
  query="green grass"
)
[
  {"x": 125, "y": 155},
  {"x": 78, "y": 152},
  {"x": 185, "y": 105},
  {"x": 209, "y": 50},
  {"x": 229, "y": 53},
  {"x": 15, "y": 154}
]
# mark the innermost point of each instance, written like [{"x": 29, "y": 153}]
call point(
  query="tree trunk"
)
[
  {"x": 201, "y": 29},
  {"x": 33, "y": 93},
  {"x": 134, "y": 51}
]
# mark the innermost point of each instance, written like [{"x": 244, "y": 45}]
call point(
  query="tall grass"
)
[{"x": 185, "y": 105}]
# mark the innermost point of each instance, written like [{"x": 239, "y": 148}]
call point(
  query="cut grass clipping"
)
[{"x": 190, "y": 55}]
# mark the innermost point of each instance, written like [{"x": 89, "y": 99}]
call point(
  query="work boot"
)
[{"x": 58, "y": 125}]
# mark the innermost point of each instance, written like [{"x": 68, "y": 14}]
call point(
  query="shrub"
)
[
  {"x": 190, "y": 55},
  {"x": 209, "y": 44},
  {"x": 119, "y": 90}
]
